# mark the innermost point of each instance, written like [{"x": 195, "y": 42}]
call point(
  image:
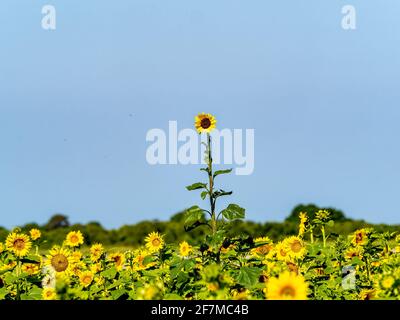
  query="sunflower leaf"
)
[
  {"x": 233, "y": 211},
  {"x": 217, "y": 173},
  {"x": 196, "y": 186}
]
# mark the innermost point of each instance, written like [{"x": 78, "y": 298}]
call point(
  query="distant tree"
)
[
  {"x": 312, "y": 209},
  {"x": 57, "y": 221}
]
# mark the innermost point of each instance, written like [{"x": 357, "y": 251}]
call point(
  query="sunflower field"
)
[{"x": 312, "y": 264}]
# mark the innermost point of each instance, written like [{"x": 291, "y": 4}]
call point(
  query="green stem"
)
[
  {"x": 311, "y": 236},
  {"x": 323, "y": 235},
  {"x": 211, "y": 186}
]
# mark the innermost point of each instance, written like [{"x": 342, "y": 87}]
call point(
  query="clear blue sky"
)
[{"x": 76, "y": 103}]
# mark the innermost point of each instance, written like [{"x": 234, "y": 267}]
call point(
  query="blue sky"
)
[{"x": 76, "y": 104}]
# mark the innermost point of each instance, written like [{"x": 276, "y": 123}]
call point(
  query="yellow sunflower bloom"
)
[
  {"x": 282, "y": 252},
  {"x": 86, "y": 278},
  {"x": 288, "y": 286},
  {"x": 138, "y": 260},
  {"x": 1, "y": 247},
  {"x": 185, "y": 249},
  {"x": 30, "y": 268},
  {"x": 60, "y": 259},
  {"x": 49, "y": 294},
  {"x": 154, "y": 242},
  {"x": 19, "y": 244},
  {"x": 353, "y": 252},
  {"x": 264, "y": 249},
  {"x": 35, "y": 234},
  {"x": 303, "y": 220},
  {"x": 360, "y": 237},
  {"x": 388, "y": 282},
  {"x": 367, "y": 294},
  {"x": 205, "y": 122},
  {"x": 295, "y": 247},
  {"x": 96, "y": 251},
  {"x": 74, "y": 239},
  {"x": 118, "y": 259},
  {"x": 76, "y": 256}
]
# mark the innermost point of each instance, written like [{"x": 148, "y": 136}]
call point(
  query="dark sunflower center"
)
[
  {"x": 117, "y": 260},
  {"x": 59, "y": 262},
  {"x": 288, "y": 291},
  {"x": 156, "y": 242},
  {"x": 283, "y": 253},
  {"x": 19, "y": 244},
  {"x": 205, "y": 123},
  {"x": 74, "y": 239},
  {"x": 264, "y": 249},
  {"x": 296, "y": 246},
  {"x": 359, "y": 237},
  {"x": 87, "y": 279}
]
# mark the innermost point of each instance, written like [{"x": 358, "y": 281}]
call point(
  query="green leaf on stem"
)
[
  {"x": 233, "y": 211},
  {"x": 196, "y": 186},
  {"x": 217, "y": 173}
]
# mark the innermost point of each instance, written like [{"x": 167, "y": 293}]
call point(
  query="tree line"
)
[{"x": 54, "y": 231}]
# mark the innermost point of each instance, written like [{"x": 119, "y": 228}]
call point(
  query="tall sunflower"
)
[
  {"x": 60, "y": 259},
  {"x": 205, "y": 122},
  {"x": 154, "y": 242},
  {"x": 74, "y": 239},
  {"x": 288, "y": 286},
  {"x": 19, "y": 244}
]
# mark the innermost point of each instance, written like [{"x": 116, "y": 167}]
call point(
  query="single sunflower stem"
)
[
  {"x": 211, "y": 186},
  {"x": 323, "y": 235}
]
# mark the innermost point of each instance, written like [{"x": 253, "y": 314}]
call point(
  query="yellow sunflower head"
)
[
  {"x": 282, "y": 252},
  {"x": 353, "y": 252},
  {"x": 118, "y": 259},
  {"x": 60, "y": 260},
  {"x": 49, "y": 294},
  {"x": 323, "y": 215},
  {"x": 138, "y": 260},
  {"x": 302, "y": 226},
  {"x": 185, "y": 249},
  {"x": 1, "y": 247},
  {"x": 288, "y": 286},
  {"x": 96, "y": 251},
  {"x": 30, "y": 268},
  {"x": 35, "y": 234},
  {"x": 76, "y": 256},
  {"x": 205, "y": 122},
  {"x": 388, "y": 282},
  {"x": 154, "y": 242},
  {"x": 360, "y": 237},
  {"x": 86, "y": 278},
  {"x": 74, "y": 239},
  {"x": 264, "y": 249},
  {"x": 367, "y": 294},
  {"x": 19, "y": 244},
  {"x": 295, "y": 247}
]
